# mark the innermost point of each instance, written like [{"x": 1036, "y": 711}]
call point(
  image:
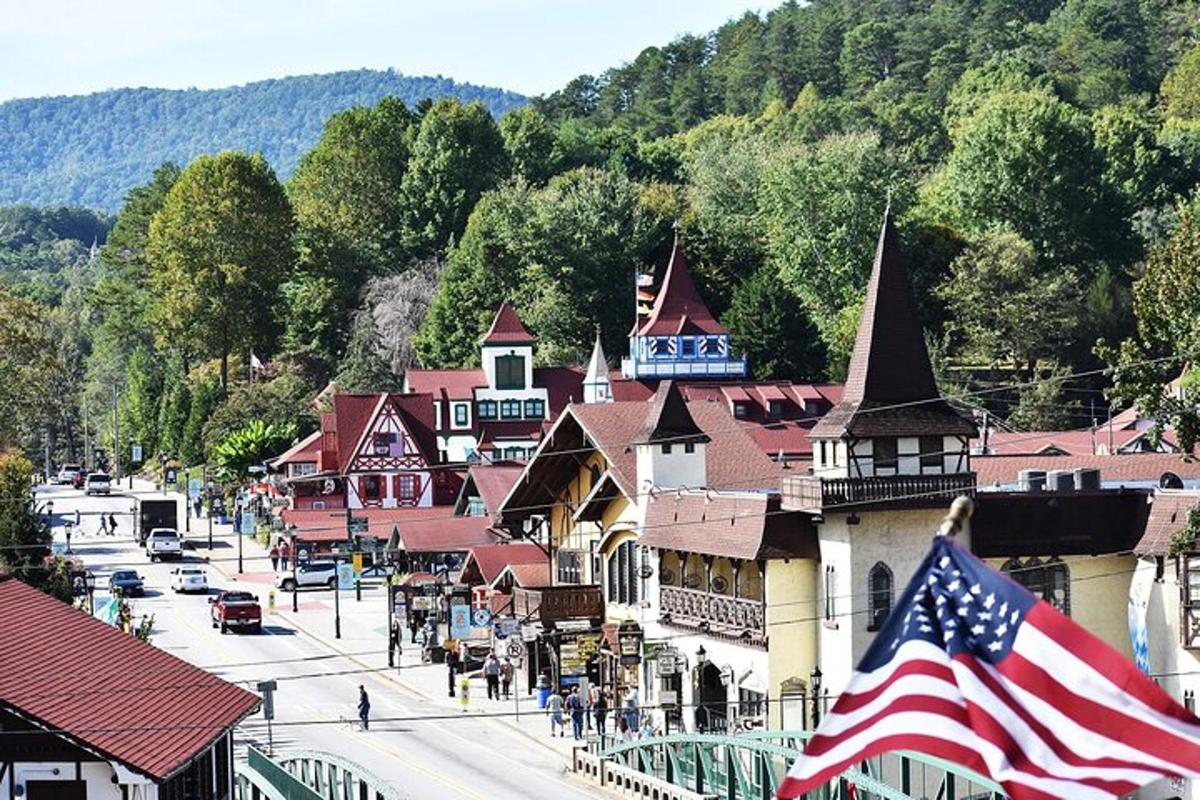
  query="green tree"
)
[
  {"x": 458, "y": 154},
  {"x": 24, "y": 535},
  {"x": 1025, "y": 161},
  {"x": 768, "y": 325},
  {"x": 1043, "y": 404},
  {"x": 1099, "y": 50},
  {"x": 868, "y": 54},
  {"x": 821, "y": 206},
  {"x": 529, "y": 141},
  {"x": 1180, "y": 100},
  {"x": 363, "y": 368},
  {"x": 219, "y": 249},
  {"x": 1004, "y": 308},
  {"x": 250, "y": 446},
  {"x": 30, "y": 365}
]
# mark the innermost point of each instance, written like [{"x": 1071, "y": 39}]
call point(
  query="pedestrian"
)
[
  {"x": 413, "y": 626},
  {"x": 198, "y": 505},
  {"x": 112, "y": 524},
  {"x": 491, "y": 673},
  {"x": 506, "y": 676},
  {"x": 647, "y": 727},
  {"x": 575, "y": 706},
  {"x": 554, "y": 707},
  {"x": 623, "y": 730},
  {"x": 77, "y": 520},
  {"x": 395, "y": 641},
  {"x": 103, "y": 525},
  {"x": 600, "y": 710},
  {"x": 631, "y": 709},
  {"x": 593, "y": 692},
  {"x": 452, "y": 662},
  {"x": 273, "y": 554},
  {"x": 364, "y": 708}
]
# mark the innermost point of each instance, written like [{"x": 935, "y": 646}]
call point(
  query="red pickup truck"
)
[{"x": 236, "y": 611}]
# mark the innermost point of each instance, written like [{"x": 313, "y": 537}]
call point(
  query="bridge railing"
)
[
  {"x": 752, "y": 765},
  {"x": 308, "y": 775}
]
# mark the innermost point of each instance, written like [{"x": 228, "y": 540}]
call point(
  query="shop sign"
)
[
  {"x": 668, "y": 660},
  {"x": 481, "y": 617},
  {"x": 505, "y": 628},
  {"x": 575, "y": 652},
  {"x": 530, "y": 633},
  {"x": 629, "y": 641},
  {"x": 460, "y": 621},
  {"x": 668, "y": 698},
  {"x": 345, "y": 575},
  {"x": 420, "y": 603},
  {"x": 589, "y": 645}
]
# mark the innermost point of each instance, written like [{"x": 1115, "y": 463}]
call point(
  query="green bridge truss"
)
[{"x": 750, "y": 766}]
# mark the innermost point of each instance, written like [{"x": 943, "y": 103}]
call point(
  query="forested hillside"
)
[
  {"x": 89, "y": 150},
  {"x": 1042, "y": 159}
]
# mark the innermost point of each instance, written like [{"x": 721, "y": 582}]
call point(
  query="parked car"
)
[
  {"x": 189, "y": 579},
  {"x": 126, "y": 582},
  {"x": 68, "y": 473},
  {"x": 163, "y": 544},
  {"x": 236, "y": 611},
  {"x": 315, "y": 573},
  {"x": 97, "y": 483}
]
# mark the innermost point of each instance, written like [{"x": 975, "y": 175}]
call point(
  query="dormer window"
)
[
  {"x": 775, "y": 408},
  {"x": 487, "y": 409},
  {"x": 510, "y": 409},
  {"x": 510, "y": 372},
  {"x": 741, "y": 410},
  {"x": 886, "y": 456}
]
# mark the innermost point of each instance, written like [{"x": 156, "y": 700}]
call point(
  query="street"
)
[{"x": 457, "y": 755}]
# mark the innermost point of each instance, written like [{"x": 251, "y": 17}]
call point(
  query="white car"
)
[
  {"x": 164, "y": 543},
  {"x": 97, "y": 483},
  {"x": 315, "y": 573},
  {"x": 68, "y": 473},
  {"x": 189, "y": 579}
]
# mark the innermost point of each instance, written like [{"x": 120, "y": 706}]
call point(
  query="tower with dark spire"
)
[
  {"x": 680, "y": 338},
  {"x": 671, "y": 447},
  {"x": 892, "y": 420}
]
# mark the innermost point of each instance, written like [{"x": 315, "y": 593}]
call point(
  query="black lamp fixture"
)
[
  {"x": 701, "y": 656},
  {"x": 50, "y": 510},
  {"x": 815, "y": 678}
]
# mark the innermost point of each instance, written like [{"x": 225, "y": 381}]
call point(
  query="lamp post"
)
[
  {"x": 89, "y": 581},
  {"x": 701, "y": 707},
  {"x": 133, "y": 521},
  {"x": 237, "y": 529},
  {"x": 337, "y": 602},
  {"x": 67, "y": 532},
  {"x": 815, "y": 678},
  {"x": 389, "y": 569},
  {"x": 295, "y": 579},
  {"x": 50, "y": 514}
]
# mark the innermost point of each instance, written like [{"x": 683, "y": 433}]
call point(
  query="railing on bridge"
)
[
  {"x": 308, "y": 775},
  {"x": 752, "y": 765}
]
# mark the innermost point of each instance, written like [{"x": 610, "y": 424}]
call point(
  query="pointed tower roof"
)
[
  {"x": 597, "y": 371},
  {"x": 890, "y": 388},
  {"x": 678, "y": 308},
  {"x": 668, "y": 420},
  {"x": 507, "y": 328}
]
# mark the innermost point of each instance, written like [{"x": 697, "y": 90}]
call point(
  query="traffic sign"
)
[
  {"x": 345, "y": 574},
  {"x": 357, "y": 562},
  {"x": 481, "y": 617},
  {"x": 170, "y": 476},
  {"x": 515, "y": 649},
  {"x": 358, "y": 525}
]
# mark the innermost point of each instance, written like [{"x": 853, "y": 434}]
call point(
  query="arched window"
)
[
  {"x": 1049, "y": 580},
  {"x": 623, "y": 574},
  {"x": 879, "y": 595}
]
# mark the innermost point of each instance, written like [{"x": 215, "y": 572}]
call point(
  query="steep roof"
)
[
  {"x": 452, "y": 384},
  {"x": 144, "y": 707},
  {"x": 302, "y": 452},
  {"x": 668, "y": 420},
  {"x": 597, "y": 369},
  {"x": 507, "y": 328},
  {"x": 492, "y": 482},
  {"x": 1168, "y": 516},
  {"x": 352, "y": 413},
  {"x": 1128, "y": 467},
  {"x": 678, "y": 308},
  {"x": 890, "y": 389}
]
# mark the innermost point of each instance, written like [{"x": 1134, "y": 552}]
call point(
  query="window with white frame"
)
[
  {"x": 535, "y": 409},
  {"x": 462, "y": 415},
  {"x": 880, "y": 591},
  {"x": 510, "y": 409},
  {"x": 487, "y": 409}
]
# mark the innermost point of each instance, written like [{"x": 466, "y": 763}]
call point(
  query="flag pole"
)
[{"x": 960, "y": 513}]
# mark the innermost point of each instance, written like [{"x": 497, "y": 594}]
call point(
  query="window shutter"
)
[
  {"x": 396, "y": 487},
  {"x": 362, "y": 488}
]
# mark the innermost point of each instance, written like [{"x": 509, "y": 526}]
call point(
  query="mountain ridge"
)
[{"x": 89, "y": 149}]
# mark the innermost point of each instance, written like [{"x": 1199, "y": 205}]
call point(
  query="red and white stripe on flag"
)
[{"x": 1060, "y": 715}]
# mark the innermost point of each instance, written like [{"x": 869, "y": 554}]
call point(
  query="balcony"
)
[
  {"x": 715, "y": 614},
  {"x": 549, "y": 604},
  {"x": 810, "y": 493}
]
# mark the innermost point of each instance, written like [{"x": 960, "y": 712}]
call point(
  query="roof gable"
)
[
  {"x": 668, "y": 420},
  {"x": 358, "y": 416},
  {"x": 123, "y": 709},
  {"x": 507, "y": 328},
  {"x": 678, "y": 308}
]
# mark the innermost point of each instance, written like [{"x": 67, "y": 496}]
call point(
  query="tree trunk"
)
[{"x": 224, "y": 373}]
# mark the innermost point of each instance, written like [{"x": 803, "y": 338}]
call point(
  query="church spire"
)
[{"x": 596, "y": 386}]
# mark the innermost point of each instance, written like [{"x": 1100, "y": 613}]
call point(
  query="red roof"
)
[
  {"x": 143, "y": 707},
  {"x": 491, "y": 559},
  {"x": 512, "y": 430},
  {"x": 446, "y": 534},
  {"x": 790, "y": 438},
  {"x": 530, "y": 576},
  {"x": 678, "y": 308},
  {"x": 507, "y": 328},
  {"x": 303, "y": 452},
  {"x": 430, "y": 529},
  {"x": 1168, "y": 515},
  {"x": 564, "y": 385},
  {"x": 353, "y": 413},
  {"x": 492, "y": 482},
  {"x": 1129, "y": 467},
  {"x": 446, "y": 384}
]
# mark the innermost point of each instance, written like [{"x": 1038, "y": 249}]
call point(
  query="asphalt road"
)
[{"x": 461, "y": 757}]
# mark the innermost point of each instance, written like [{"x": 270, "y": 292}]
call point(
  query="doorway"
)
[{"x": 711, "y": 699}]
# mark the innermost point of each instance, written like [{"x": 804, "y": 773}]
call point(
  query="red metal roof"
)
[
  {"x": 491, "y": 559},
  {"x": 790, "y": 437},
  {"x": 353, "y": 413},
  {"x": 492, "y": 482},
  {"x": 303, "y": 452},
  {"x": 1127, "y": 467},
  {"x": 139, "y": 705},
  {"x": 1168, "y": 516},
  {"x": 452, "y": 384},
  {"x": 447, "y": 534},
  {"x": 678, "y": 308},
  {"x": 507, "y": 328}
]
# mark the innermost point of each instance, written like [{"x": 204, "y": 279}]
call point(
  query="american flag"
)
[{"x": 970, "y": 667}]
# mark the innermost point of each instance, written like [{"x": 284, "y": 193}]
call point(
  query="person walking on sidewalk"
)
[
  {"x": 198, "y": 505},
  {"x": 364, "y": 708},
  {"x": 575, "y": 706},
  {"x": 600, "y": 711},
  {"x": 491, "y": 673},
  {"x": 112, "y": 524},
  {"x": 103, "y": 525},
  {"x": 506, "y": 676},
  {"x": 395, "y": 642},
  {"x": 451, "y": 667},
  {"x": 554, "y": 707},
  {"x": 593, "y": 692}
]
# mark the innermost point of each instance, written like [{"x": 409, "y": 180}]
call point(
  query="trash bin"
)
[{"x": 223, "y": 518}]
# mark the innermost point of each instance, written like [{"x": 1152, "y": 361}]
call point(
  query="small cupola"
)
[{"x": 671, "y": 449}]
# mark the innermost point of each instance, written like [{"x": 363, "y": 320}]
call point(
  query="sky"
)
[{"x": 55, "y": 47}]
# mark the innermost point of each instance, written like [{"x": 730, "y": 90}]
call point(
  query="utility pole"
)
[
  {"x": 116, "y": 435},
  {"x": 87, "y": 450}
]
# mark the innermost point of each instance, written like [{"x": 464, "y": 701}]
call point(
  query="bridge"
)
[
  {"x": 750, "y": 766},
  {"x": 307, "y": 775}
]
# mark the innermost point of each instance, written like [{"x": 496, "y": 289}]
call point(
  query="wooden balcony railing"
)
[
  {"x": 810, "y": 493},
  {"x": 721, "y": 614}
]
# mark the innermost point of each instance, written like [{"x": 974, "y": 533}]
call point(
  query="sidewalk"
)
[{"x": 364, "y": 637}]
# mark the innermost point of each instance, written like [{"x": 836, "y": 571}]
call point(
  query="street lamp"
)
[
  {"x": 389, "y": 569},
  {"x": 89, "y": 581},
  {"x": 237, "y": 529},
  {"x": 701, "y": 656},
  {"x": 815, "y": 678},
  {"x": 67, "y": 531},
  {"x": 295, "y": 579},
  {"x": 50, "y": 513}
]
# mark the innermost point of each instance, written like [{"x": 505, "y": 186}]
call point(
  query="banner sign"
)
[
  {"x": 460, "y": 620},
  {"x": 248, "y": 522},
  {"x": 193, "y": 488},
  {"x": 345, "y": 575},
  {"x": 1140, "y": 587}
]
